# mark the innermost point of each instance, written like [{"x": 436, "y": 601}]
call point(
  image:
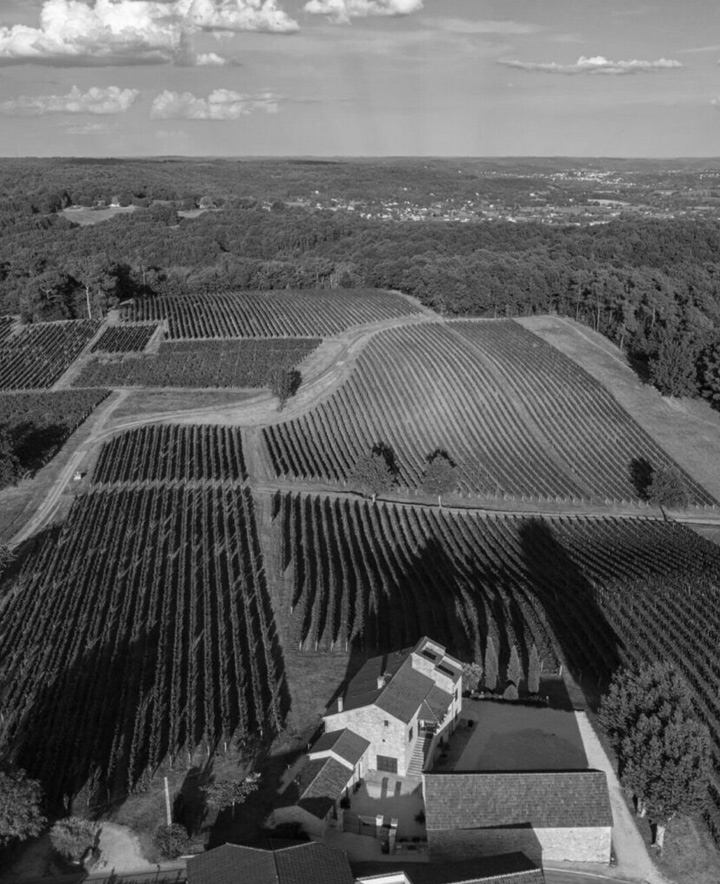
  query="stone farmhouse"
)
[
  {"x": 393, "y": 716},
  {"x": 389, "y": 728},
  {"x": 404, "y": 704}
]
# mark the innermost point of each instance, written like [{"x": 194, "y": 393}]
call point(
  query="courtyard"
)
[{"x": 511, "y": 737}]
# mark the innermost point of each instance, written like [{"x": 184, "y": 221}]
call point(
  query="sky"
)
[{"x": 622, "y": 78}]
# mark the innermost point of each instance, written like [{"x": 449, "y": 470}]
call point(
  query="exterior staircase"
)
[{"x": 417, "y": 760}]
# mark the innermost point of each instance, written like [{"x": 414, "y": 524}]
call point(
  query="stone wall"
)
[
  {"x": 391, "y": 739},
  {"x": 590, "y": 845}
]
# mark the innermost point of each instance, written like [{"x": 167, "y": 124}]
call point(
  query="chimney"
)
[
  {"x": 341, "y": 704},
  {"x": 381, "y": 681}
]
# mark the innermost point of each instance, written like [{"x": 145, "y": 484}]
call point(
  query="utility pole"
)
[{"x": 167, "y": 803}]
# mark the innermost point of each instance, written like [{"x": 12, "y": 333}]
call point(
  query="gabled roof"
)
[
  {"x": 363, "y": 689},
  {"x": 435, "y": 705},
  {"x": 404, "y": 693},
  {"x": 309, "y": 863},
  {"x": 321, "y": 782},
  {"x": 552, "y": 799},
  {"x": 403, "y": 686},
  {"x": 507, "y": 868},
  {"x": 345, "y": 743}
]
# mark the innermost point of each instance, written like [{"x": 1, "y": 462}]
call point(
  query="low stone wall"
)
[{"x": 588, "y": 845}]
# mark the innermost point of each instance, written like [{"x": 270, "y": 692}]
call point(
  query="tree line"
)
[{"x": 651, "y": 287}]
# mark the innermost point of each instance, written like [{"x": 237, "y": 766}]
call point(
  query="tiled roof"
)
[
  {"x": 405, "y": 693},
  {"x": 321, "y": 783},
  {"x": 309, "y": 863},
  {"x": 507, "y": 868},
  {"x": 436, "y": 704},
  {"x": 313, "y": 864},
  {"x": 556, "y": 799},
  {"x": 232, "y": 864},
  {"x": 405, "y": 687},
  {"x": 363, "y": 689},
  {"x": 345, "y": 743}
]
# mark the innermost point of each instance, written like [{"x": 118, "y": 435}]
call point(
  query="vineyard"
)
[
  {"x": 38, "y": 423},
  {"x": 6, "y": 324},
  {"x": 518, "y": 417},
  {"x": 168, "y": 453},
  {"x": 598, "y": 591},
  {"x": 200, "y": 364},
  {"x": 137, "y": 631},
  {"x": 293, "y": 314},
  {"x": 383, "y": 575},
  {"x": 124, "y": 339},
  {"x": 38, "y": 355}
]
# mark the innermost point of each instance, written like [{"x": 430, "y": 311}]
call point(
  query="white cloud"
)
[
  {"x": 235, "y": 15},
  {"x": 598, "y": 64},
  {"x": 482, "y": 26},
  {"x": 344, "y": 10},
  {"x": 210, "y": 59},
  {"x": 222, "y": 104},
  {"x": 75, "y": 32},
  {"x": 110, "y": 100}
]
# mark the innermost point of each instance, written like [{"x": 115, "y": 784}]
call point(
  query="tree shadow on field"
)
[
  {"x": 641, "y": 476},
  {"x": 453, "y": 598},
  {"x": 585, "y": 638},
  {"x": 34, "y": 444}
]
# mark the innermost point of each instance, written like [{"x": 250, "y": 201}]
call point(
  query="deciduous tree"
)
[
  {"x": 171, "y": 841},
  {"x": 20, "y": 806},
  {"x": 672, "y": 370},
  {"x": 228, "y": 793},
  {"x": 372, "y": 474},
  {"x": 284, "y": 383},
  {"x": 472, "y": 673},
  {"x": 440, "y": 476},
  {"x": 667, "y": 489},
  {"x": 663, "y": 751},
  {"x": 71, "y": 837}
]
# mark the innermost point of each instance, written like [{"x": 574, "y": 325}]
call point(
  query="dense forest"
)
[{"x": 651, "y": 286}]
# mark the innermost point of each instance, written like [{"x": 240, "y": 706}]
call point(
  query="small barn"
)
[{"x": 550, "y": 816}]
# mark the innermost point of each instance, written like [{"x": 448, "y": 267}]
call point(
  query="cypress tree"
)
[
  {"x": 491, "y": 665},
  {"x": 515, "y": 670},
  {"x": 534, "y": 671}
]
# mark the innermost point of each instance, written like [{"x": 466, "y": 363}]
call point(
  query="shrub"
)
[
  {"x": 510, "y": 692},
  {"x": 171, "y": 841},
  {"x": 71, "y": 837}
]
